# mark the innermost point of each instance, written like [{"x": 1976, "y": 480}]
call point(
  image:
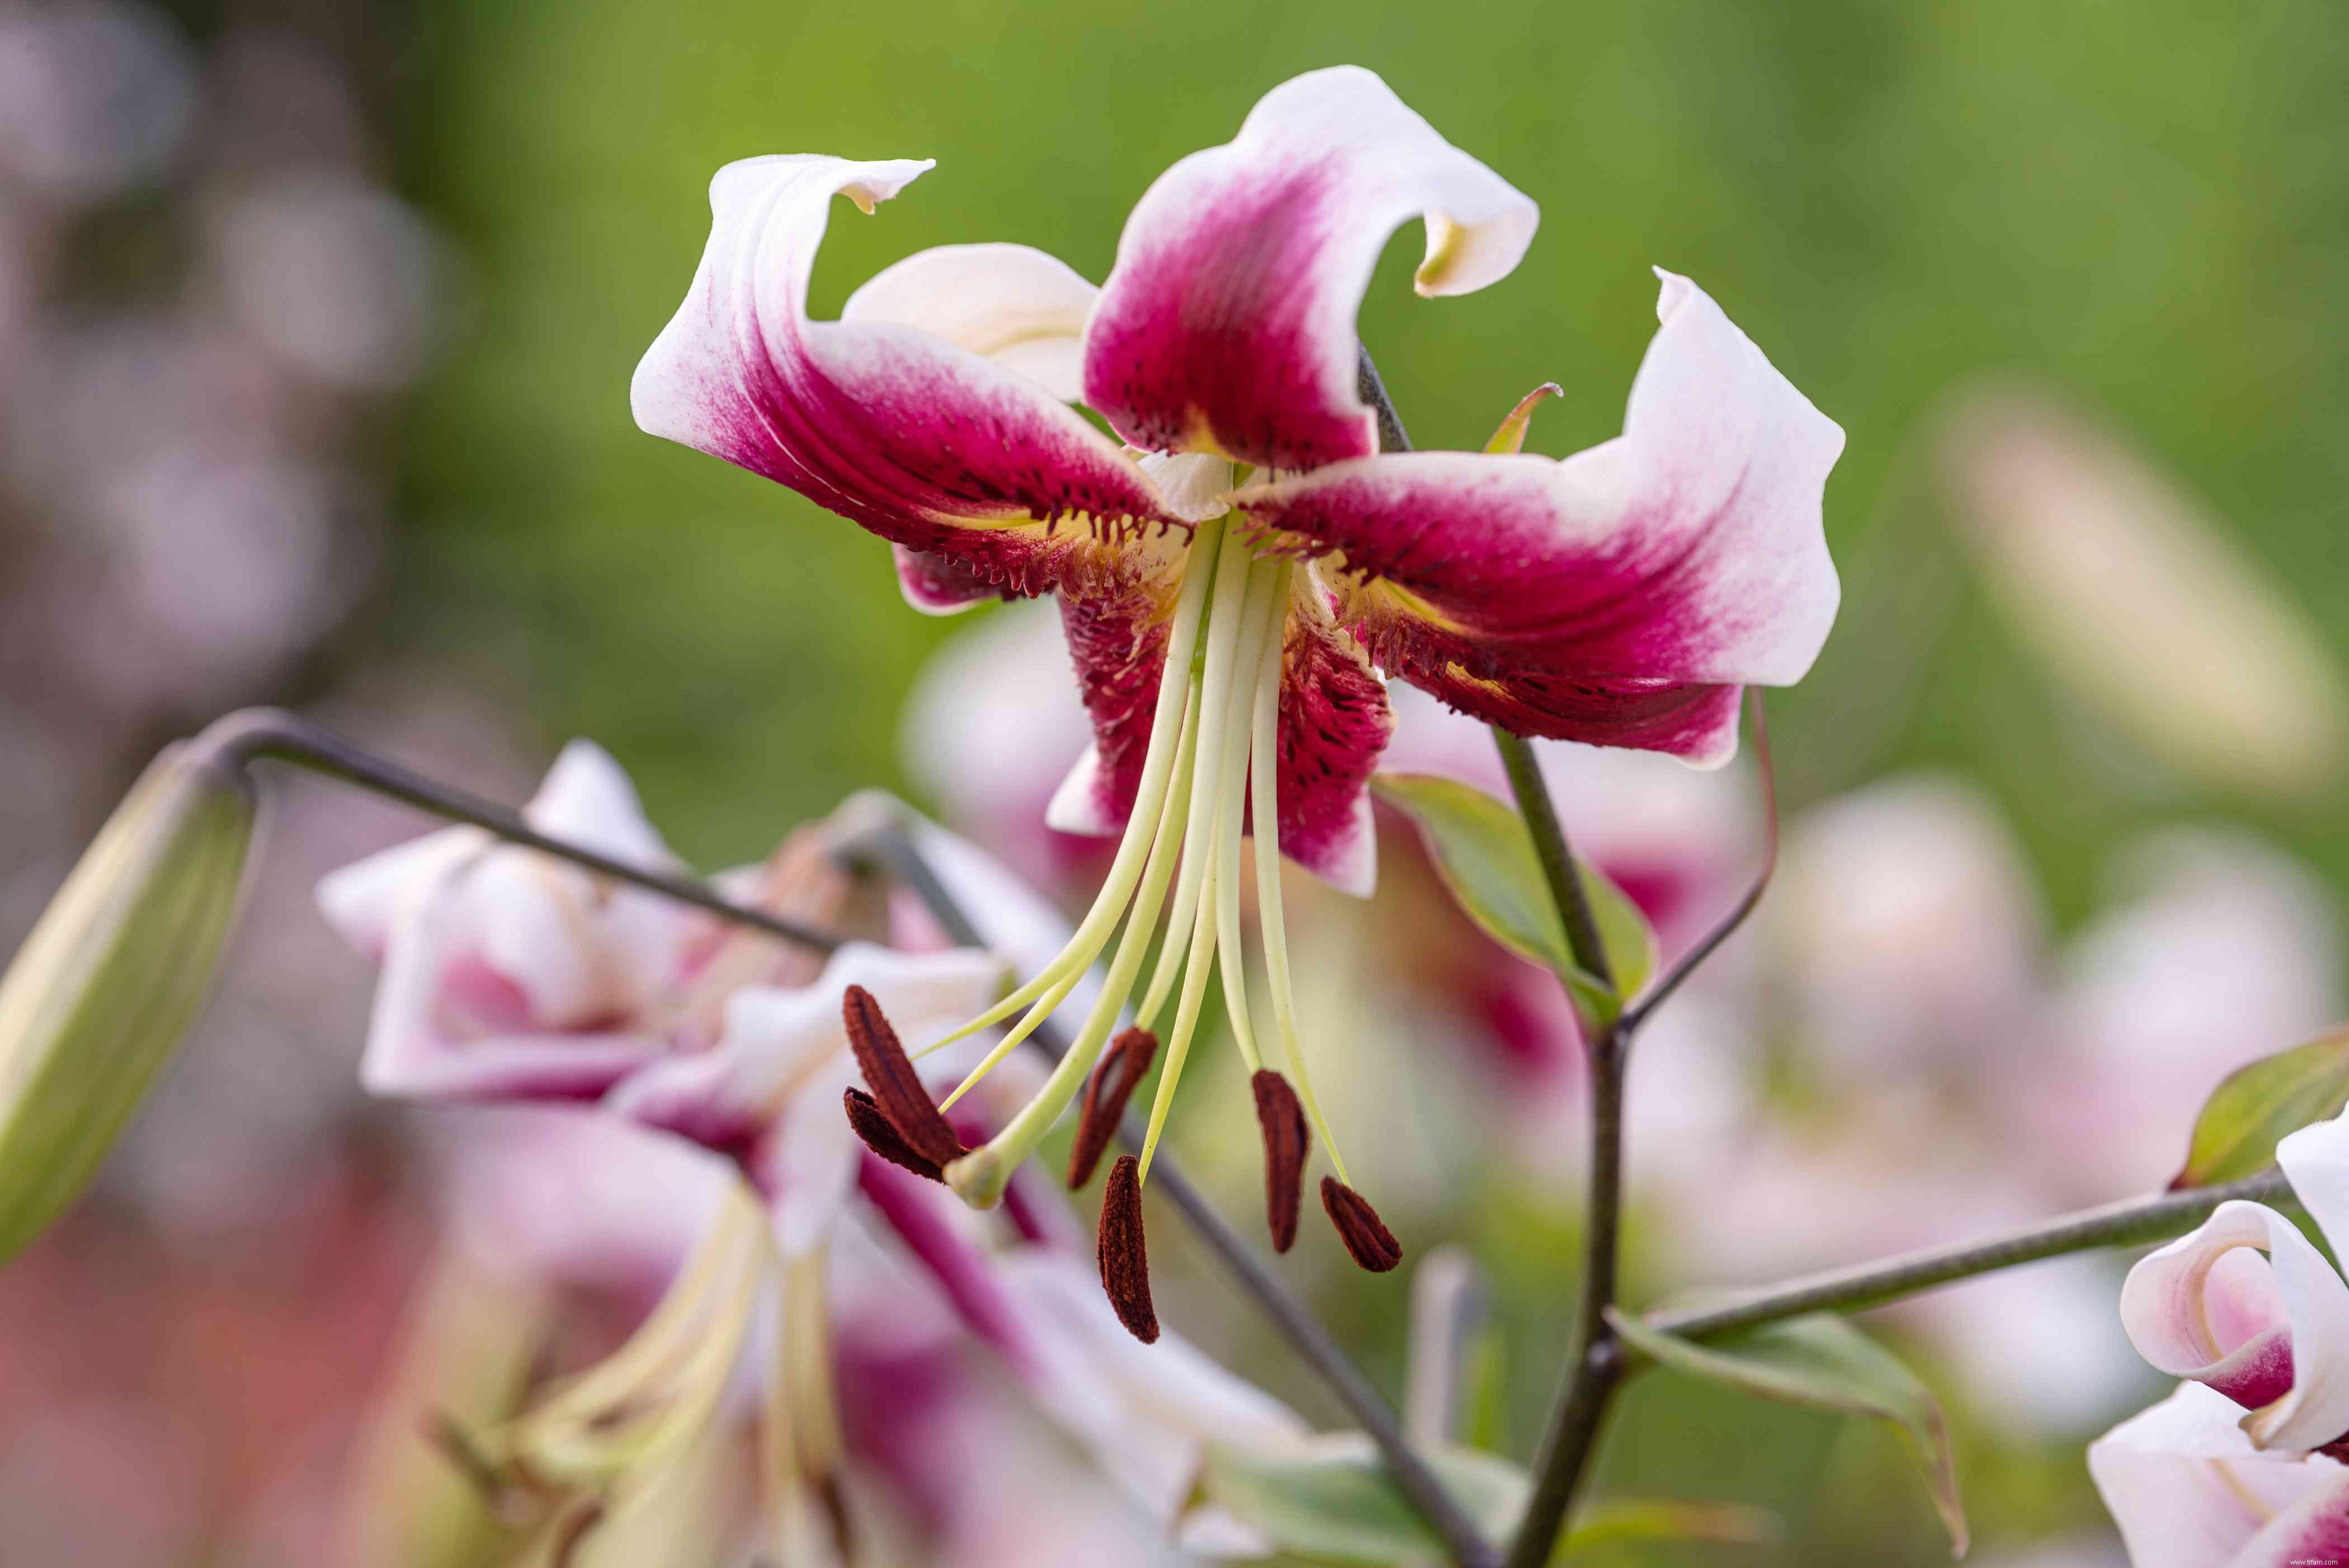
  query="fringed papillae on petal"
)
[
  {"x": 1334, "y": 725},
  {"x": 1228, "y": 325},
  {"x": 1620, "y": 596},
  {"x": 930, "y": 413}
]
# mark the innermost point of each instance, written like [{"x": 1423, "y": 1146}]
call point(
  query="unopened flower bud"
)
[{"x": 111, "y": 977}]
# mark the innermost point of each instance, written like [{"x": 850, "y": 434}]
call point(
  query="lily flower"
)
[
  {"x": 2272, "y": 1334},
  {"x": 510, "y": 977},
  {"x": 1228, "y": 632},
  {"x": 2189, "y": 1490}
]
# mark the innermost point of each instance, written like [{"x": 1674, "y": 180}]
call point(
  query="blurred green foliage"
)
[{"x": 2144, "y": 205}]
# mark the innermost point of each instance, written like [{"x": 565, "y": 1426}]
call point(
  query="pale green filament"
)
[
  {"x": 1195, "y": 970},
  {"x": 1216, "y": 739},
  {"x": 980, "y": 1175},
  {"x": 1210, "y": 865},
  {"x": 1144, "y": 916},
  {"x": 1231, "y": 799},
  {"x": 1157, "y": 771},
  {"x": 1263, "y": 777}
]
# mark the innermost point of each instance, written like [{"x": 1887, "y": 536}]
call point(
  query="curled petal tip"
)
[
  {"x": 1287, "y": 1141},
  {"x": 1124, "y": 1260},
  {"x": 1368, "y": 1240}
]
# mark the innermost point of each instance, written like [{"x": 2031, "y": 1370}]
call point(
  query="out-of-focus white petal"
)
[
  {"x": 1153, "y": 1408},
  {"x": 2187, "y": 1488},
  {"x": 2193, "y": 1318},
  {"x": 781, "y": 1045},
  {"x": 1012, "y": 303},
  {"x": 1913, "y": 926},
  {"x": 2223, "y": 950}
]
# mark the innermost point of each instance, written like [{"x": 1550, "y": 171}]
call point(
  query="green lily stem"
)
[
  {"x": 1557, "y": 867},
  {"x": 1597, "y": 1360},
  {"x": 1597, "y": 1364},
  {"x": 2132, "y": 1223}
]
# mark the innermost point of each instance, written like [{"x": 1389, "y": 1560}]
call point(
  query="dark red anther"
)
[
  {"x": 1124, "y": 1261},
  {"x": 864, "y": 1117},
  {"x": 1106, "y": 1092},
  {"x": 897, "y": 1088},
  {"x": 1287, "y": 1141},
  {"x": 1366, "y": 1236}
]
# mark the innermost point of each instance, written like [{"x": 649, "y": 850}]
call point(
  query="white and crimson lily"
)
[
  {"x": 1229, "y": 580},
  {"x": 2240, "y": 1467},
  {"x": 2269, "y": 1332}
]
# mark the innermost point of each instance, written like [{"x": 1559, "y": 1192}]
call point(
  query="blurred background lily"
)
[{"x": 315, "y": 329}]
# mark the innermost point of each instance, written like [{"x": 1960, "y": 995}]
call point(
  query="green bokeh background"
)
[{"x": 2144, "y": 205}]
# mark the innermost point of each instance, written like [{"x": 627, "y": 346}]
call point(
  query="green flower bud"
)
[{"x": 102, "y": 992}]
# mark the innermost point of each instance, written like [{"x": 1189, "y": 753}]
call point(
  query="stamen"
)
[
  {"x": 1124, "y": 1261},
  {"x": 1366, "y": 1236},
  {"x": 1231, "y": 801},
  {"x": 1264, "y": 780},
  {"x": 1092, "y": 934},
  {"x": 1106, "y": 1093},
  {"x": 1216, "y": 738},
  {"x": 1212, "y": 902},
  {"x": 864, "y": 1117},
  {"x": 897, "y": 1091},
  {"x": 1287, "y": 1141},
  {"x": 981, "y": 1176}
]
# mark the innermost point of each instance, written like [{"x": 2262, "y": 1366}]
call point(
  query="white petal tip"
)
[{"x": 1076, "y": 805}]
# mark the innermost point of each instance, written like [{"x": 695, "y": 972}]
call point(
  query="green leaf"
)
[
  {"x": 1485, "y": 855},
  {"x": 1822, "y": 1362},
  {"x": 1620, "y": 1519},
  {"x": 1332, "y": 1500},
  {"x": 2235, "y": 1134}
]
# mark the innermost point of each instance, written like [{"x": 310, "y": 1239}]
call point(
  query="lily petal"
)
[
  {"x": 2188, "y": 1491},
  {"x": 1147, "y": 1411},
  {"x": 418, "y": 1044},
  {"x": 1334, "y": 725},
  {"x": 779, "y": 1045},
  {"x": 918, "y": 437},
  {"x": 2316, "y": 1160},
  {"x": 2197, "y": 1309},
  {"x": 507, "y": 974},
  {"x": 1620, "y": 596},
  {"x": 939, "y": 585},
  {"x": 1227, "y": 324},
  {"x": 1013, "y": 303}
]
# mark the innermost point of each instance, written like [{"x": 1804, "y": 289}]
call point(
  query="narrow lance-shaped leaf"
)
[
  {"x": 1822, "y": 1362},
  {"x": 1485, "y": 855},
  {"x": 1629, "y": 1519},
  {"x": 2235, "y": 1134}
]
